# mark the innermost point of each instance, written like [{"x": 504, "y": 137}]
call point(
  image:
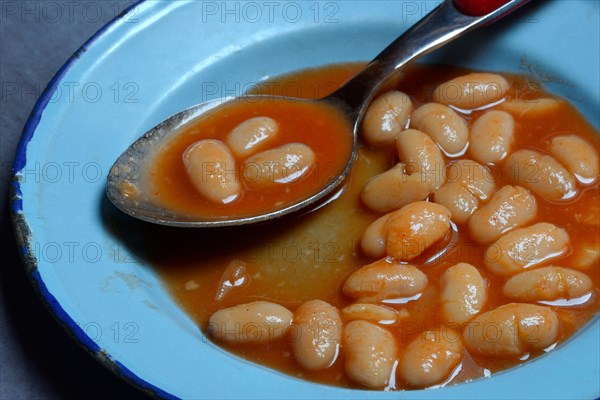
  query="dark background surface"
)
[{"x": 38, "y": 360}]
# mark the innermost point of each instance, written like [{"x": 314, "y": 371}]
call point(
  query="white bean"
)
[
  {"x": 547, "y": 283},
  {"x": 370, "y": 312},
  {"x": 472, "y": 175},
  {"x": 370, "y": 354},
  {"x": 256, "y": 322},
  {"x": 458, "y": 199},
  {"x": 373, "y": 239},
  {"x": 212, "y": 170},
  {"x": 384, "y": 279},
  {"x": 587, "y": 254},
  {"x": 542, "y": 174},
  {"x": 234, "y": 278},
  {"x": 444, "y": 125},
  {"x": 252, "y": 135},
  {"x": 525, "y": 247},
  {"x": 472, "y": 91},
  {"x": 414, "y": 228},
  {"x": 420, "y": 154},
  {"x": 386, "y": 117},
  {"x": 509, "y": 208},
  {"x": 394, "y": 189},
  {"x": 492, "y": 136},
  {"x": 511, "y": 330},
  {"x": 530, "y": 108},
  {"x": 318, "y": 334},
  {"x": 577, "y": 155},
  {"x": 282, "y": 165},
  {"x": 431, "y": 357},
  {"x": 463, "y": 293}
]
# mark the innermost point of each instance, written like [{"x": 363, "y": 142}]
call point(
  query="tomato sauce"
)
[
  {"x": 324, "y": 129},
  {"x": 308, "y": 257}
]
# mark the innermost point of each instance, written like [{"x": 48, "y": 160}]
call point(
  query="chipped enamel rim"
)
[
  {"x": 23, "y": 233},
  {"x": 24, "y": 237}
]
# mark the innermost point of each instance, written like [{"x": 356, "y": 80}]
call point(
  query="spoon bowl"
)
[
  {"x": 127, "y": 181},
  {"x": 127, "y": 186}
]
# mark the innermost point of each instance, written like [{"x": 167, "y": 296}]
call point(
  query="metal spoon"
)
[{"x": 450, "y": 20}]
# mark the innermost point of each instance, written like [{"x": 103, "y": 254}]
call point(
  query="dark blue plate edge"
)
[{"x": 23, "y": 232}]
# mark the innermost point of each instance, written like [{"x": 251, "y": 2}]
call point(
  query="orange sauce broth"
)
[
  {"x": 308, "y": 257},
  {"x": 324, "y": 129}
]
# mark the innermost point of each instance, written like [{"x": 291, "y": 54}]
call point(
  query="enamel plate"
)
[{"x": 162, "y": 57}]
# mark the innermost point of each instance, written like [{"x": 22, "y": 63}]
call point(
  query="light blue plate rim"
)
[{"x": 22, "y": 230}]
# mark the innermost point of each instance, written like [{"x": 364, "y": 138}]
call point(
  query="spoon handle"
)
[{"x": 450, "y": 20}]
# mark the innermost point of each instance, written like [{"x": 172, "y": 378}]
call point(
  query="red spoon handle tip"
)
[{"x": 478, "y": 7}]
